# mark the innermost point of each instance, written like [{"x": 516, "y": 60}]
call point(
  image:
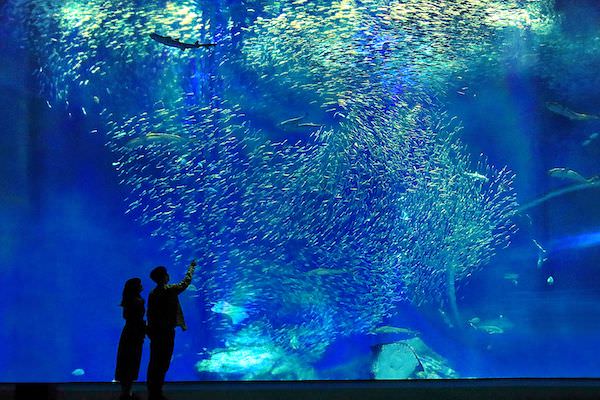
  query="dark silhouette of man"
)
[{"x": 164, "y": 314}]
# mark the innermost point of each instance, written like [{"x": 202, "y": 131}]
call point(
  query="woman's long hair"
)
[{"x": 131, "y": 292}]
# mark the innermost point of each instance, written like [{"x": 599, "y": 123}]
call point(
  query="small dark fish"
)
[{"x": 167, "y": 41}]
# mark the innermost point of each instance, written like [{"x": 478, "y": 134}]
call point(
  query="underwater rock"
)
[
  {"x": 396, "y": 361},
  {"x": 255, "y": 363},
  {"x": 249, "y": 362},
  {"x": 250, "y": 354},
  {"x": 410, "y": 359}
]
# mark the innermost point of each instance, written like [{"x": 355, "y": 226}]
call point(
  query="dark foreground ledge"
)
[{"x": 322, "y": 390}]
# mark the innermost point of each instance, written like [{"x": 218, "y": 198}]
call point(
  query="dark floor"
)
[{"x": 495, "y": 389}]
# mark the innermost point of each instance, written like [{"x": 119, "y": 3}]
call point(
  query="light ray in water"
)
[
  {"x": 581, "y": 241},
  {"x": 559, "y": 192}
]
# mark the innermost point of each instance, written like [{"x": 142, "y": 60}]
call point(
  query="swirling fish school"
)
[{"x": 379, "y": 204}]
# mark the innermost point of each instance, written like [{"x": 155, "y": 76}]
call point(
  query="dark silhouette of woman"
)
[{"x": 129, "y": 354}]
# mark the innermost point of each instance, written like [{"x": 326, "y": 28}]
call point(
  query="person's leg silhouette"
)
[{"x": 161, "y": 351}]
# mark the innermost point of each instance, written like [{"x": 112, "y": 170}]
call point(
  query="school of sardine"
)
[{"x": 304, "y": 160}]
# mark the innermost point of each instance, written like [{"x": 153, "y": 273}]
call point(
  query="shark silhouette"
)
[{"x": 168, "y": 41}]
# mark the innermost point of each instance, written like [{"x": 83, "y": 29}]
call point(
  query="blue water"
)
[{"x": 308, "y": 237}]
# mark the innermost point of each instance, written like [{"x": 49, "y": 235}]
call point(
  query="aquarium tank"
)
[{"x": 372, "y": 189}]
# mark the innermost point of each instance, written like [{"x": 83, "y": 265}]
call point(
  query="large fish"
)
[
  {"x": 566, "y": 112},
  {"x": 167, "y": 41},
  {"x": 566, "y": 173},
  {"x": 154, "y": 137},
  {"x": 236, "y": 313}
]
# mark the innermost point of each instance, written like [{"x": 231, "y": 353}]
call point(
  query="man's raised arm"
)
[{"x": 186, "y": 281}]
